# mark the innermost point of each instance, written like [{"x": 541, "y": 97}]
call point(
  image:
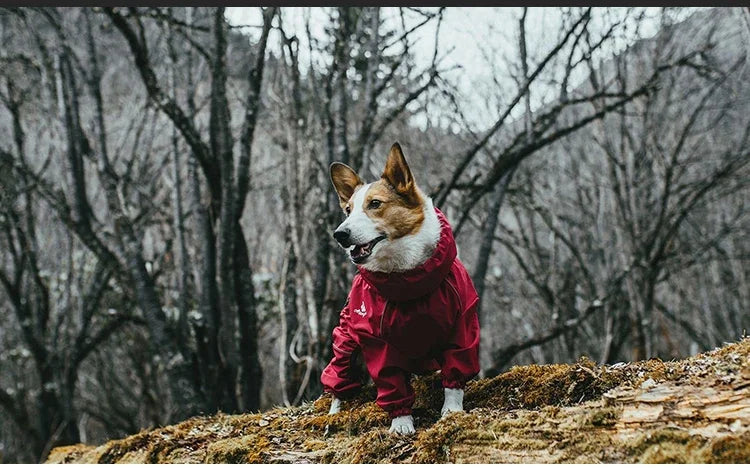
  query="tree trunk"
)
[
  {"x": 251, "y": 377},
  {"x": 183, "y": 263},
  {"x": 488, "y": 236},
  {"x": 221, "y": 147},
  {"x": 288, "y": 372}
]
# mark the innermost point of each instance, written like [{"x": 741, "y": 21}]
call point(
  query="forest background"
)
[{"x": 166, "y": 211}]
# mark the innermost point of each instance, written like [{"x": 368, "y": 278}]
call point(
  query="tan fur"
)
[
  {"x": 345, "y": 181},
  {"x": 396, "y": 216},
  {"x": 398, "y": 175}
]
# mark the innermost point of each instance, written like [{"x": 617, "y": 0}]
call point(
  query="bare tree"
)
[
  {"x": 662, "y": 171},
  {"x": 166, "y": 209},
  {"x": 60, "y": 326}
]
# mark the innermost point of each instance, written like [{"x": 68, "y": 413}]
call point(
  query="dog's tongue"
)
[{"x": 361, "y": 250}]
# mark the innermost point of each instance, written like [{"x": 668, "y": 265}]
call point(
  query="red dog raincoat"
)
[{"x": 411, "y": 322}]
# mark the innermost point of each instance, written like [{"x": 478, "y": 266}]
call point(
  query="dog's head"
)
[{"x": 384, "y": 218}]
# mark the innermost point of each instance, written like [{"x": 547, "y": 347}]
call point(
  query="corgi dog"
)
[
  {"x": 390, "y": 225},
  {"x": 412, "y": 306}
]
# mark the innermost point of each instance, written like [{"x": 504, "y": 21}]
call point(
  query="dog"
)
[{"x": 412, "y": 308}]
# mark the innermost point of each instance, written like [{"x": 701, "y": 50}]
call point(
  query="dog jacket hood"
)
[
  {"x": 417, "y": 321},
  {"x": 424, "y": 279}
]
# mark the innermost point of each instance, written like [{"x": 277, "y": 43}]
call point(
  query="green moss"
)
[
  {"x": 433, "y": 445},
  {"x": 429, "y": 394},
  {"x": 116, "y": 449},
  {"x": 322, "y": 404},
  {"x": 729, "y": 449},
  {"x": 658, "y": 437},
  {"x": 550, "y": 413},
  {"x": 677, "y": 446},
  {"x": 314, "y": 444},
  {"x": 247, "y": 449},
  {"x": 666, "y": 445},
  {"x": 377, "y": 446},
  {"x": 604, "y": 417},
  {"x": 667, "y": 452},
  {"x": 534, "y": 386},
  {"x": 69, "y": 453},
  {"x": 352, "y": 421}
]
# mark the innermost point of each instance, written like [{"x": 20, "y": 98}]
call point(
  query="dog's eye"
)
[
  {"x": 374, "y": 204},
  {"x": 347, "y": 210}
]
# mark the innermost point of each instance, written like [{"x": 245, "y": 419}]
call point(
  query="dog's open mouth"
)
[{"x": 360, "y": 252}]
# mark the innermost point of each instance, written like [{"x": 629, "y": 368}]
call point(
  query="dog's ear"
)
[
  {"x": 398, "y": 174},
  {"x": 345, "y": 180}
]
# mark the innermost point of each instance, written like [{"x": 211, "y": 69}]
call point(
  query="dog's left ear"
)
[
  {"x": 345, "y": 181},
  {"x": 398, "y": 174}
]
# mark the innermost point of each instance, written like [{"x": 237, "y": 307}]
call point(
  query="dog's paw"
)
[
  {"x": 335, "y": 406},
  {"x": 454, "y": 401},
  {"x": 402, "y": 425}
]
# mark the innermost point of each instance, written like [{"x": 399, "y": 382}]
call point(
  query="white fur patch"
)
[
  {"x": 410, "y": 251},
  {"x": 361, "y": 228}
]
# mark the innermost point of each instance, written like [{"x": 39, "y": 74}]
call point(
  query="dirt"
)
[{"x": 692, "y": 411}]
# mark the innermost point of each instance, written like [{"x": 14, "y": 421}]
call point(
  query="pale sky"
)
[{"x": 480, "y": 40}]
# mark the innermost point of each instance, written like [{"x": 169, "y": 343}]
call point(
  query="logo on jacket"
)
[{"x": 362, "y": 310}]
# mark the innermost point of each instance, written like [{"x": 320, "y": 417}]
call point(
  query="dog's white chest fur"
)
[{"x": 408, "y": 252}]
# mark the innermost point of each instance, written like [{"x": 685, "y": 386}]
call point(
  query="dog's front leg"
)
[
  {"x": 335, "y": 406},
  {"x": 454, "y": 401},
  {"x": 403, "y": 425}
]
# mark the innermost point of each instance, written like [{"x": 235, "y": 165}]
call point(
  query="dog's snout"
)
[{"x": 342, "y": 237}]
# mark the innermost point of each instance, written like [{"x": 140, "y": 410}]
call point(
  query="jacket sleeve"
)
[
  {"x": 338, "y": 377},
  {"x": 461, "y": 357}
]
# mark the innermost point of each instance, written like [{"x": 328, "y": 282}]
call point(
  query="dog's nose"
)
[{"x": 342, "y": 237}]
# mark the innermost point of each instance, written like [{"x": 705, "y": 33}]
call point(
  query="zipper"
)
[
  {"x": 382, "y": 316},
  {"x": 458, "y": 298}
]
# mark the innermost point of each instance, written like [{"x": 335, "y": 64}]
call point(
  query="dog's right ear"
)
[
  {"x": 345, "y": 180},
  {"x": 398, "y": 175}
]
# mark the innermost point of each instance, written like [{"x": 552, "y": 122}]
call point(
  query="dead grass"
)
[{"x": 637, "y": 412}]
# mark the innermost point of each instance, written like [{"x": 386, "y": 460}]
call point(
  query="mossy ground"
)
[{"x": 696, "y": 410}]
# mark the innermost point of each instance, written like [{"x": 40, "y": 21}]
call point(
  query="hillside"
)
[{"x": 694, "y": 410}]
